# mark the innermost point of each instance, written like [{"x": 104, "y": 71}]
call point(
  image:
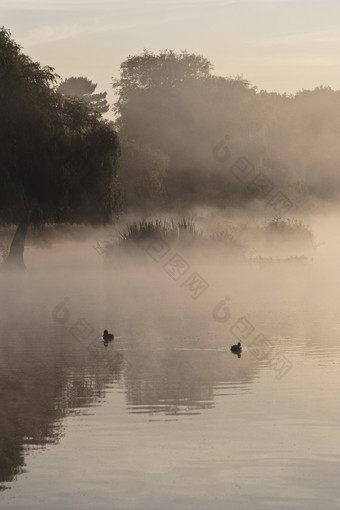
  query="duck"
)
[
  {"x": 107, "y": 337},
  {"x": 236, "y": 349}
]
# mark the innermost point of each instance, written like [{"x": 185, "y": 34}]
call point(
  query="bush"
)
[{"x": 290, "y": 228}]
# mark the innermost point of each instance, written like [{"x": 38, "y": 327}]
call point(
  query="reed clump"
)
[{"x": 167, "y": 230}]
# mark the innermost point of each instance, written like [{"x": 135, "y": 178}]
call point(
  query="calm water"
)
[{"x": 167, "y": 417}]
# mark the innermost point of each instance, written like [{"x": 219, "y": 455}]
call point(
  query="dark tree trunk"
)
[{"x": 15, "y": 257}]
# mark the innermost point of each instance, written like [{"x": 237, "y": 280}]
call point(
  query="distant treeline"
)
[
  {"x": 172, "y": 112},
  {"x": 180, "y": 137}
]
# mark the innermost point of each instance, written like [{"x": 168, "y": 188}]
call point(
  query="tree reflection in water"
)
[
  {"x": 181, "y": 381},
  {"x": 42, "y": 380},
  {"x": 45, "y": 378}
]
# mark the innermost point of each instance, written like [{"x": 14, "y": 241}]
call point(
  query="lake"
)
[{"x": 167, "y": 416}]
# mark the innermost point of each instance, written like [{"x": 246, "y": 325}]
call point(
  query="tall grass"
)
[
  {"x": 228, "y": 238},
  {"x": 233, "y": 241},
  {"x": 168, "y": 230},
  {"x": 290, "y": 228}
]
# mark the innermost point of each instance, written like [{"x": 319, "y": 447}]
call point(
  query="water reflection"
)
[
  {"x": 45, "y": 378},
  {"x": 42, "y": 380},
  {"x": 181, "y": 381},
  {"x": 32, "y": 405},
  {"x": 167, "y": 364}
]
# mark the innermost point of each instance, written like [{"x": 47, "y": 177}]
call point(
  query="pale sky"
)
[{"x": 278, "y": 45}]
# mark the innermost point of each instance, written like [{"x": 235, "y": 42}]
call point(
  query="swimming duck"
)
[
  {"x": 107, "y": 337},
  {"x": 236, "y": 349}
]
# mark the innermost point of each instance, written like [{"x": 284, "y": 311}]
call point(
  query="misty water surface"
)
[{"x": 167, "y": 417}]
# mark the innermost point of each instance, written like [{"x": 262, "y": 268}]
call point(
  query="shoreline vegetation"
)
[
  {"x": 237, "y": 240},
  {"x": 181, "y": 140}
]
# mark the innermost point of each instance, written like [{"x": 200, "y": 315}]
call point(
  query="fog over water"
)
[
  {"x": 169, "y": 274},
  {"x": 166, "y": 416}
]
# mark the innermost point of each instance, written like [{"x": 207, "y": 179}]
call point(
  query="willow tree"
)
[{"x": 58, "y": 158}]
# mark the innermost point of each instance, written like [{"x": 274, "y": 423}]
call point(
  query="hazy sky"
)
[{"x": 280, "y": 45}]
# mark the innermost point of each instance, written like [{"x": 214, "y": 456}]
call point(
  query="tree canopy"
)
[
  {"x": 172, "y": 103},
  {"x": 84, "y": 88},
  {"x": 143, "y": 172},
  {"x": 59, "y": 160}
]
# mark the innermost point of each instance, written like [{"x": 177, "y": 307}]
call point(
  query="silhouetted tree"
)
[
  {"x": 172, "y": 103},
  {"x": 58, "y": 159},
  {"x": 143, "y": 172},
  {"x": 84, "y": 89},
  {"x": 150, "y": 72}
]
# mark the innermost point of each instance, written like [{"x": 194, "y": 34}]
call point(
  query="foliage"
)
[
  {"x": 178, "y": 234},
  {"x": 229, "y": 238},
  {"x": 4, "y": 250},
  {"x": 142, "y": 176},
  {"x": 59, "y": 160},
  {"x": 289, "y": 228},
  {"x": 173, "y": 103},
  {"x": 167, "y": 230},
  {"x": 150, "y": 71},
  {"x": 83, "y": 88}
]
